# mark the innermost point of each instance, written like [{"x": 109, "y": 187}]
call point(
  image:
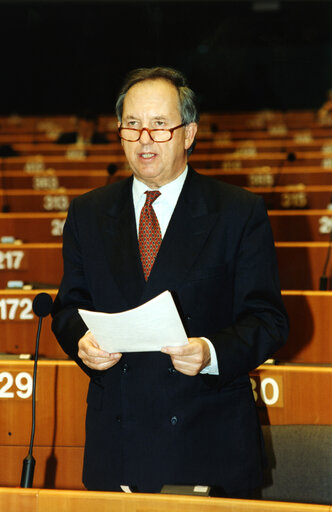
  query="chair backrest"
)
[{"x": 299, "y": 463}]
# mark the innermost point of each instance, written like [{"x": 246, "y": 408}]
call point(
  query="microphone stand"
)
[
  {"x": 41, "y": 306},
  {"x": 29, "y": 461}
]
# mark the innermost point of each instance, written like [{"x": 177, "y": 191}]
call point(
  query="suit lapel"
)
[
  {"x": 185, "y": 237},
  {"x": 118, "y": 228}
]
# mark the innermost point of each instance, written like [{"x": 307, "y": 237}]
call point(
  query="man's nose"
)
[{"x": 145, "y": 136}]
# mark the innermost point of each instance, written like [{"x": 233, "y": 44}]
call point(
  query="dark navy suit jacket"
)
[{"x": 147, "y": 424}]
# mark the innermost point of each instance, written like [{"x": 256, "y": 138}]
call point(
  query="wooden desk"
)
[
  {"x": 310, "y": 339},
  {"x": 299, "y": 225},
  {"x": 41, "y": 163},
  {"x": 301, "y": 264},
  {"x": 299, "y": 119},
  {"x": 61, "y": 396},
  {"x": 198, "y": 160},
  {"x": 244, "y": 177},
  {"x": 287, "y": 225},
  {"x": 310, "y": 318},
  {"x": 27, "y": 138},
  {"x": 293, "y": 394},
  {"x": 60, "y": 413},
  {"x": 112, "y": 148},
  {"x": 43, "y": 138},
  {"x": 274, "y": 159},
  {"x": 313, "y": 197},
  {"x": 265, "y": 134},
  {"x": 216, "y": 147},
  {"x": 19, "y": 325},
  {"x": 25, "y": 200},
  {"x": 276, "y": 198},
  {"x": 40, "y": 263},
  {"x": 262, "y": 176},
  {"x": 46, "y": 500},
  {"x": 32, "y": 124},
  {"x": 55, "y": 179},
  {"x": 36, "y": 227},
  {"x": 285, "y": 395},
  {"x": 254, "y": 147}
]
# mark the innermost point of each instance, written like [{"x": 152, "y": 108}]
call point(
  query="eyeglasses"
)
[{"x": 157, "y": 135}]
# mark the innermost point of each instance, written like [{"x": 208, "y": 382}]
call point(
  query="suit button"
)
[
  {"x": 171, "y": 370},
  {"x": 118, "y": 419},
  {"x": 188, "y": 317},
  {"x": 174, "y": 420},
  {"x": 125, "y": 368}
]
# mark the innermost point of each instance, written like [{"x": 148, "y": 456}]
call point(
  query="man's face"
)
[{"x": 154, "y": 104}]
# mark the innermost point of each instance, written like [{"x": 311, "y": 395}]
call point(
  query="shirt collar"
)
[{"x": 170, "y": 192}]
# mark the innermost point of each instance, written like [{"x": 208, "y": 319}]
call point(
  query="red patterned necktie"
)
[{"x": 149, "y": 238}]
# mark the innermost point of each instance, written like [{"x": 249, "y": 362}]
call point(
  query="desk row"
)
[
  {"x": 275, "y": 197},
  {"x": 284, "y": 395},
  {"x": 301, "y": 264},
  {"x": 310, "y": 338},
  {"x": 287, "y": 226},
  {"x": 80, "y": 158},
  {"x": 271, "y": 123},
  {"x": 266, "y": 176},
  {"x": 301, "y": 142}
]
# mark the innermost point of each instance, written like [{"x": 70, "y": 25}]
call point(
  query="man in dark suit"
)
[{"x": 185, "y": 415}]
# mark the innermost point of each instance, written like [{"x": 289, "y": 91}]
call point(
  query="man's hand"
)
[
  {"x": 190, "y": 359},
  {"x": 92, "y": 355}
]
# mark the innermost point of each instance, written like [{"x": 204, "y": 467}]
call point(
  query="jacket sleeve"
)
[
  {"x": 73, "y": 293},
  {"x": 261, "y": 323}
]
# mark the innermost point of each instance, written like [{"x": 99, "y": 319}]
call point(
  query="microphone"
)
[
  {"x": 291, "y": 157},
  {"x": 111, "y": 169},
  {"x": 323, "y": 281},
  {"x": 41, "y": 306}
]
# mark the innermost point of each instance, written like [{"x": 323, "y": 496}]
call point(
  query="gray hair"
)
[{"x": 187, "y": 100}]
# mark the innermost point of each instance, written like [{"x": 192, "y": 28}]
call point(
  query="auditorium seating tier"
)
[{"x": 286, "y": 157}]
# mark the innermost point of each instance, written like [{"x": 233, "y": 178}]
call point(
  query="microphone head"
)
[
  {"x": 291, "y": 157},
  {"x": 111, "y": 169},
  {"x": 42, "y": 304}
]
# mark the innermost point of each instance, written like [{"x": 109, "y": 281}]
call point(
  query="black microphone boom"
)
[
  {"x": 323, "y": 281},
  {"x": 42, "y": 305}
]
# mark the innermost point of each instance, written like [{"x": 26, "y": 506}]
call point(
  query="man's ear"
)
[{"x": 190, "y": 134}]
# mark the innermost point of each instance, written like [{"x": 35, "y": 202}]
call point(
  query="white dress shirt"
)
[{"x": 164, "y": 206}]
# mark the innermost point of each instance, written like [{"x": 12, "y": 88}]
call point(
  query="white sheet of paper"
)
[{"x": 149, "y": 327}]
